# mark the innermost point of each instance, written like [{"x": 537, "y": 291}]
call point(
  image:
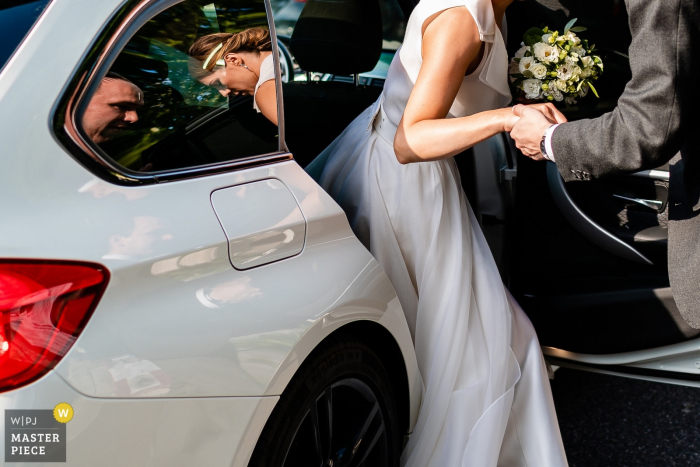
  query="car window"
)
[
  {"x": 194, "y": 86},
  {"x": 16, "y": 19}
]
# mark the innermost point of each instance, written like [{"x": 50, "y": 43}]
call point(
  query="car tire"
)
[{"x": 338, "y": 410}]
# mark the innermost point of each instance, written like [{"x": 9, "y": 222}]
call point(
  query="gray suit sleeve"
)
[{"x": 643, "y": 131}]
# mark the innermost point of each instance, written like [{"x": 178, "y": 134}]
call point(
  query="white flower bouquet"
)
[{"x": 555, "y": 67}]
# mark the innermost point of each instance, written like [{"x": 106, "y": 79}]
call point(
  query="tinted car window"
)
[
  {"x": 167, "y": 105},
  {"x": 16, "y": 19}
]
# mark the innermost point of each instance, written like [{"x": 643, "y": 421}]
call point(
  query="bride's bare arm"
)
[{"x": 451, "y": 44}]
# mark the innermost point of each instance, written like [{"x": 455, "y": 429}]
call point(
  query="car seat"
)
[{"x": 342, "y": 37}]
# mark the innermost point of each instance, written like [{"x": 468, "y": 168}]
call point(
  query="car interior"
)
[{"x": 340, "y": 38}]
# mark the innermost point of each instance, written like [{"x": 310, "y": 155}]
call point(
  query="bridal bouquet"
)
[{"x": 555, "y": 67}]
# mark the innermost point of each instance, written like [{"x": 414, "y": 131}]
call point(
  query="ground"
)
[{"x": 609, "y": 421}]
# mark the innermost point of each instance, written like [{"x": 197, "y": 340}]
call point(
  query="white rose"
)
[
  {"x": 532, "y": 88},
  {"x": 555, "y": 93},
  {"x": 545, "y": 53},
  {"x": 521, "y": 51},
  {"x": 571, "y": 59},
  {"x": 526, "y": 63},
  {"x": 570, "y": 36},
  {"x": 538, "y": 70},
  {"x": 565, "y": 71},
  {"x": 587, "y": 62},
  {"x": 575, "y": 72},
  {"x": 585, "y": 73},
  {"x": 580, "y": 51},
  {"x": 561, "y": 85}
]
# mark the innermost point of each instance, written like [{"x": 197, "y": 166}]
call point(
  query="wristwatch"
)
[
  {"x": 543, "y": 145},
  {"x": 543, "y": 148}
]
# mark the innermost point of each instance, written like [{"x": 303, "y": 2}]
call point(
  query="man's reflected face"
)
[{"x": 112, "y": 108}]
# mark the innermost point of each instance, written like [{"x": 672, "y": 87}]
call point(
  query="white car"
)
[
  {"x": 171, "y": 271},
  {"x": 178, "y": 311}
]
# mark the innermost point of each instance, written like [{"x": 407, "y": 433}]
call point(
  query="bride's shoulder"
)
[
  {"x": 454, "y": 23},
  {"x": 451, "y": 12}
]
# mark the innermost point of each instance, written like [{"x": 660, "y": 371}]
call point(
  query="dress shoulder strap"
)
[
  {"x": 481, "y": 11},
  {"x": 495, "y": 71}
]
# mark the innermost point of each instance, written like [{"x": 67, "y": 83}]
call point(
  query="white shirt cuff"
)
[{"x": 548, "y": 141}]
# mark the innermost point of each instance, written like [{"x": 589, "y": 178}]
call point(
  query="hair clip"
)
[{"x": 216, "y": 49}]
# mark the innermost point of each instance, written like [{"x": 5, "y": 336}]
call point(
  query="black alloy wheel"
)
[
  {"x": 338, "y": 411},
  {"x": 344, "y": 427}
]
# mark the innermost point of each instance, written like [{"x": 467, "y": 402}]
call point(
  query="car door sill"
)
[{"x": 660, "y": 376}]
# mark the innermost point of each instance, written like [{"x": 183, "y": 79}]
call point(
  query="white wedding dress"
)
[{"x": 487, "y": 400}]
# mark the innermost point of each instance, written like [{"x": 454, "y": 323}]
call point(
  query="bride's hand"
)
[
  {"x": 509, "y": 119},
  {"x": 552, "y": 113}
]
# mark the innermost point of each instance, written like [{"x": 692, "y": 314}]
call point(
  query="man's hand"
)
[{"x": 529, "y": 129}]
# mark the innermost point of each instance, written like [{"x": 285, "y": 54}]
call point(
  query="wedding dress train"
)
[{"x": 487, "y": 400}]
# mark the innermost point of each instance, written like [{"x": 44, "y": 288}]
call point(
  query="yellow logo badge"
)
[{"x": 63, "y": 412}]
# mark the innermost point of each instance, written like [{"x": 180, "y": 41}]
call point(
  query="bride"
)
[{"x": 487, "y": 400}]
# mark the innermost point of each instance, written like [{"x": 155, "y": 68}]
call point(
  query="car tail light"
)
[{"x": 44, "y": 306}]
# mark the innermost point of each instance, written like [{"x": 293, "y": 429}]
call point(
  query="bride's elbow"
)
[{"x": 401, "y": 149}]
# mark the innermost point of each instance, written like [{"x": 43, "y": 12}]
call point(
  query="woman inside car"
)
[{"x": 238, "y": 64}]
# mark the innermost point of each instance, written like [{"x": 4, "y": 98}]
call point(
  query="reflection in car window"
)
[
  {"x": 161, "y": 107},
  {"x": 16, "y": 19}
]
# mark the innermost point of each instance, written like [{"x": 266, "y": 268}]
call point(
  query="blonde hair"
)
[{"x": 252, "y": 40}]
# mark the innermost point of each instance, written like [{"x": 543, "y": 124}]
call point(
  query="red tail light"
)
[{"x": 44, "y": 306}]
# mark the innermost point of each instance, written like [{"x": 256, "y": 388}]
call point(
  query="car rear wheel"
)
[{"x": 338, "y": 411}]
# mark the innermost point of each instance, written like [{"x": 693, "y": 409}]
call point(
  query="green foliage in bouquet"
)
[{"x": 555, "y": 67}]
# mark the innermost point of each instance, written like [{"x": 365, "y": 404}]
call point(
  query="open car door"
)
[{"x": 588, "y": 259}]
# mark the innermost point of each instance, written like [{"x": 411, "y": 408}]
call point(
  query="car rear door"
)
[{"x": 223, "y": 251}]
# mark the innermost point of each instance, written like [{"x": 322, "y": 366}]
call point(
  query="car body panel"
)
[
  {"x": 112, "y": 432},
  {"x": 161, "y": 331}
]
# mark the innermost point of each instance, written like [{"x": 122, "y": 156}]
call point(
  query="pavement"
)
[{"x": 610, "y": 421}]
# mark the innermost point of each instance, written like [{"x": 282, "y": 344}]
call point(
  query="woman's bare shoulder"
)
[
  {"x": 453, "y": 32},
  {"x": 455, "y": 20}
]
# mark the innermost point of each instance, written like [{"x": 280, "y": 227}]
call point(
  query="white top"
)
[{"x": 267, "y": 72}]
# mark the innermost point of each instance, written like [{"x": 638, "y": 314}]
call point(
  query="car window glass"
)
[
  {"x": 193, "y": 86},
  {"x": 16, "y": 19}
]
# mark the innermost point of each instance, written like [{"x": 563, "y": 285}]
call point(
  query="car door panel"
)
[
  {"x": 182, "y": 322},
  {"x": 633, "y": 208},
  {"x": 588, "y": 291}
]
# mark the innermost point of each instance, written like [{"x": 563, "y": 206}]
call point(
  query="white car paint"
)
[
  {"x": 260, "y": 236},
  {"x": 184, "y": 357}
]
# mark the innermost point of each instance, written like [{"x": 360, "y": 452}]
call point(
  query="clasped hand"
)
[{"x": 529, "y": 125}]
